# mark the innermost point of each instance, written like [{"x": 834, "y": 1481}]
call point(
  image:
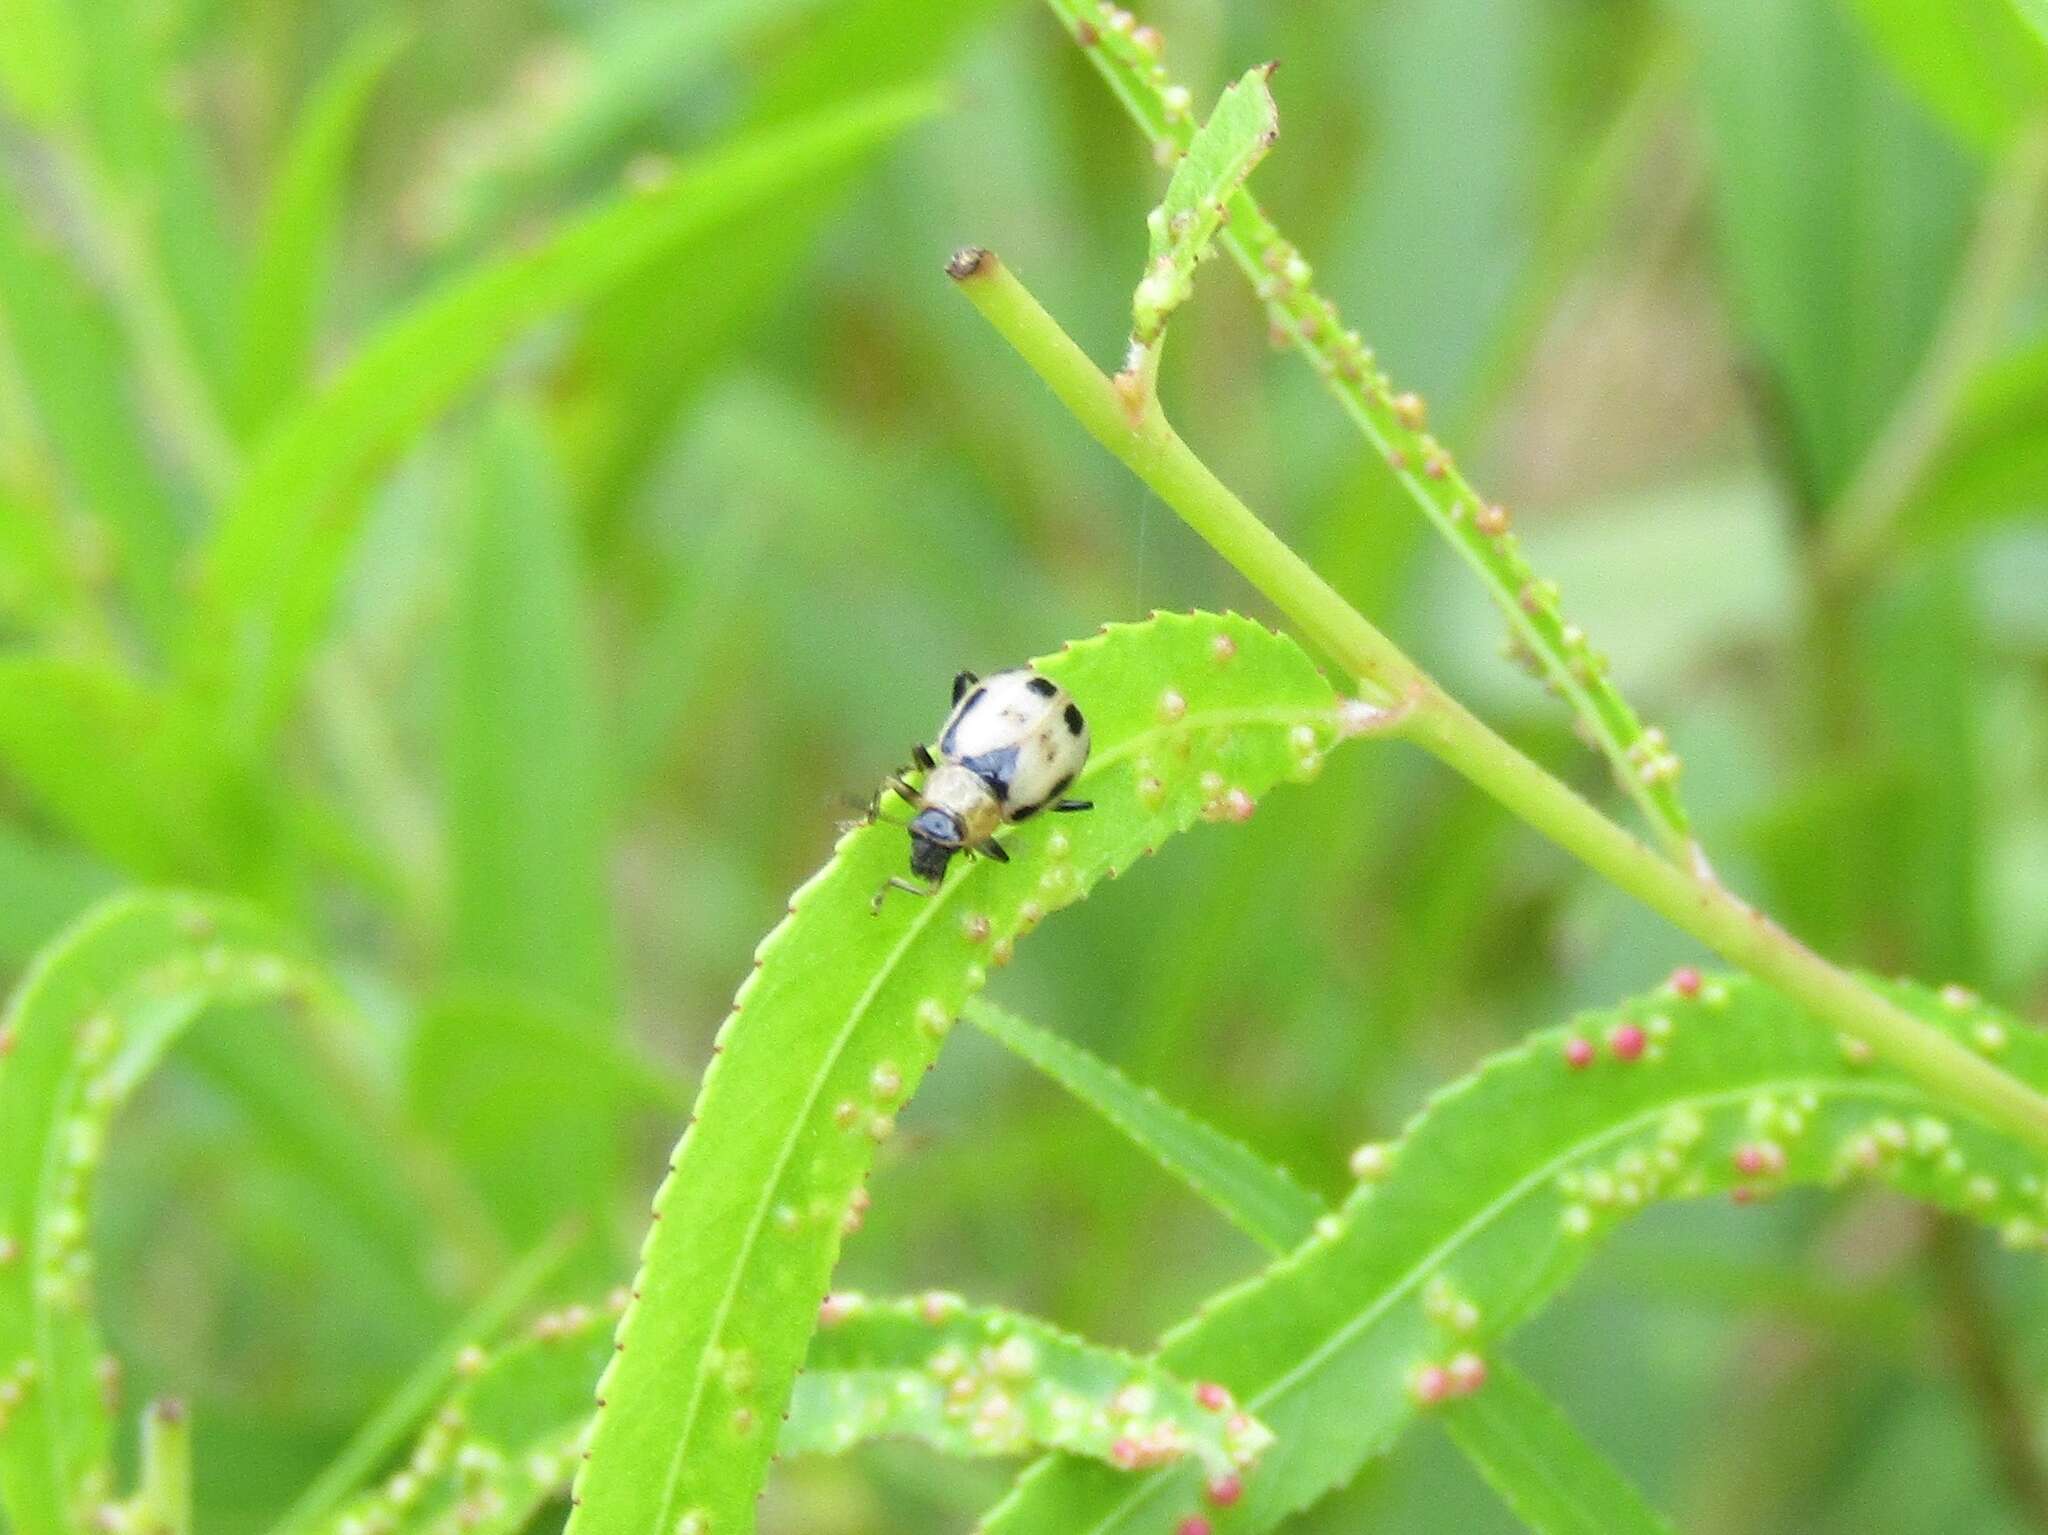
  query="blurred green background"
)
[{"x": 601, "y": 605}]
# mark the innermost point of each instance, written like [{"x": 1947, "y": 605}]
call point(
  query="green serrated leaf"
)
[
  {"x": 286, "y": 534},
  {"x": 973, "y": 1382},
  {"x": 1555, "y": 1481},
  {"x": 1219, "y": 159},
  {"x": 964, "y": 1380},
  {"x": 90, "y": 1020},
  {"x": 1250, "y": 1193},
  {"x": 1504, "y": 1185},
  {"x": 1192, "y": 717}
]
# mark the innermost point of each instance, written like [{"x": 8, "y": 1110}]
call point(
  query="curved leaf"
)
[
  {"x": 285, "y": 535},
  {"x": 1253, "y": 1195},
  {"x": 288, "y": 276},
  {"x": 966, "y": 1381},
  {"x": 987, "y": 1382},
  {"x": 1498, "y": 1191},
  {"x": 1192, "y": 717},
  {"x": 89, "y": 1022}
]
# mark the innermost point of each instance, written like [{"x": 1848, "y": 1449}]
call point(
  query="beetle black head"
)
[{"x": 935, "y": 836}]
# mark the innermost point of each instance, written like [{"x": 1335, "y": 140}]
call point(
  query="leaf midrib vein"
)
[{"x": 883, "y": 972}]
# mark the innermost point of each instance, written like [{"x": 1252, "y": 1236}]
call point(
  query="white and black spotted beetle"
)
[{"x": 1010, "y": 748}]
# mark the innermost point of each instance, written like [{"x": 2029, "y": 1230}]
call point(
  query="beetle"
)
[{"x": 1011, "y": 747}]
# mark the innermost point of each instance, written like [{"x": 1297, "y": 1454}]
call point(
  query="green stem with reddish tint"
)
[
  {"x": 1127, "y": 57},
  {"x": 1132, "y": 426}
]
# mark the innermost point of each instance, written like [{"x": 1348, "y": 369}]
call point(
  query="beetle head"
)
[{"x": 935, "y": 836}]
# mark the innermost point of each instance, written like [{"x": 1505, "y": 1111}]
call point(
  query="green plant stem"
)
[
  {"x": 1136, "y": 431},
  {"x": 163, "y": 1499},
  {"x": 1394, "y": 424},
  {"x": 1131, "y": 425}
]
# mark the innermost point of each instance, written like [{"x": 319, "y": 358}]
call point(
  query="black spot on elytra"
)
[
  {"x": 995, "y": 769},
  {"x": 1041, "y": 687},
  {"x": 1074, "y": 725},
  {"x": 1060, "y": 788}
]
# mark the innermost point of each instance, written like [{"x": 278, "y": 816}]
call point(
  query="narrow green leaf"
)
[
  {"x": 1253, "y": 1195},
  {"x": 46, "y": 592},
  {"x": 1974, "y": 63},
  {"x": 506, "y": 1082},
  {"x": 147, "y": 184},
  {"x": 503, "y": 1442},
  {"x": 1555, "y": 1481},
  {"x": 527, "y": 809},
  {"x": 1838, "y": 260},
  {"x": 116, "y": 765},
  {"x": 88, "y": 1023},
  {"x": 636, "y": 62},
  {"x": 2035, "y": 14},
  {"x": 646, "y": 349},
  {"x": 526, "y": 797},
  {"x": 78, "y": 375},
  {"x": 286, "y": 534},
  {"x": 1219, "y": 159},
  {"x": 289, "y": 272},
  {"x": 972, "y": 1382},
  {"x": 1505, "y": 1184},
  {"x": 381, "y": 1433},
  {"x": 48, "y": 884},
  {"x": 965, "y": 1381},
  {"x": 1994, "y": 465},
  {"x": 1192, "y": 717}
]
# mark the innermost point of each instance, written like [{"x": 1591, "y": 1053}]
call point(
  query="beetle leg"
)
[
  {"x": 895, "y": 882},
  {"x": 993, "y": 849},
  {"x": 873, "y": 812},
  {"x": 921, "y": 756},
  {"x": 1069, "y": 805},
  {"x": 962, "y": 683}
]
